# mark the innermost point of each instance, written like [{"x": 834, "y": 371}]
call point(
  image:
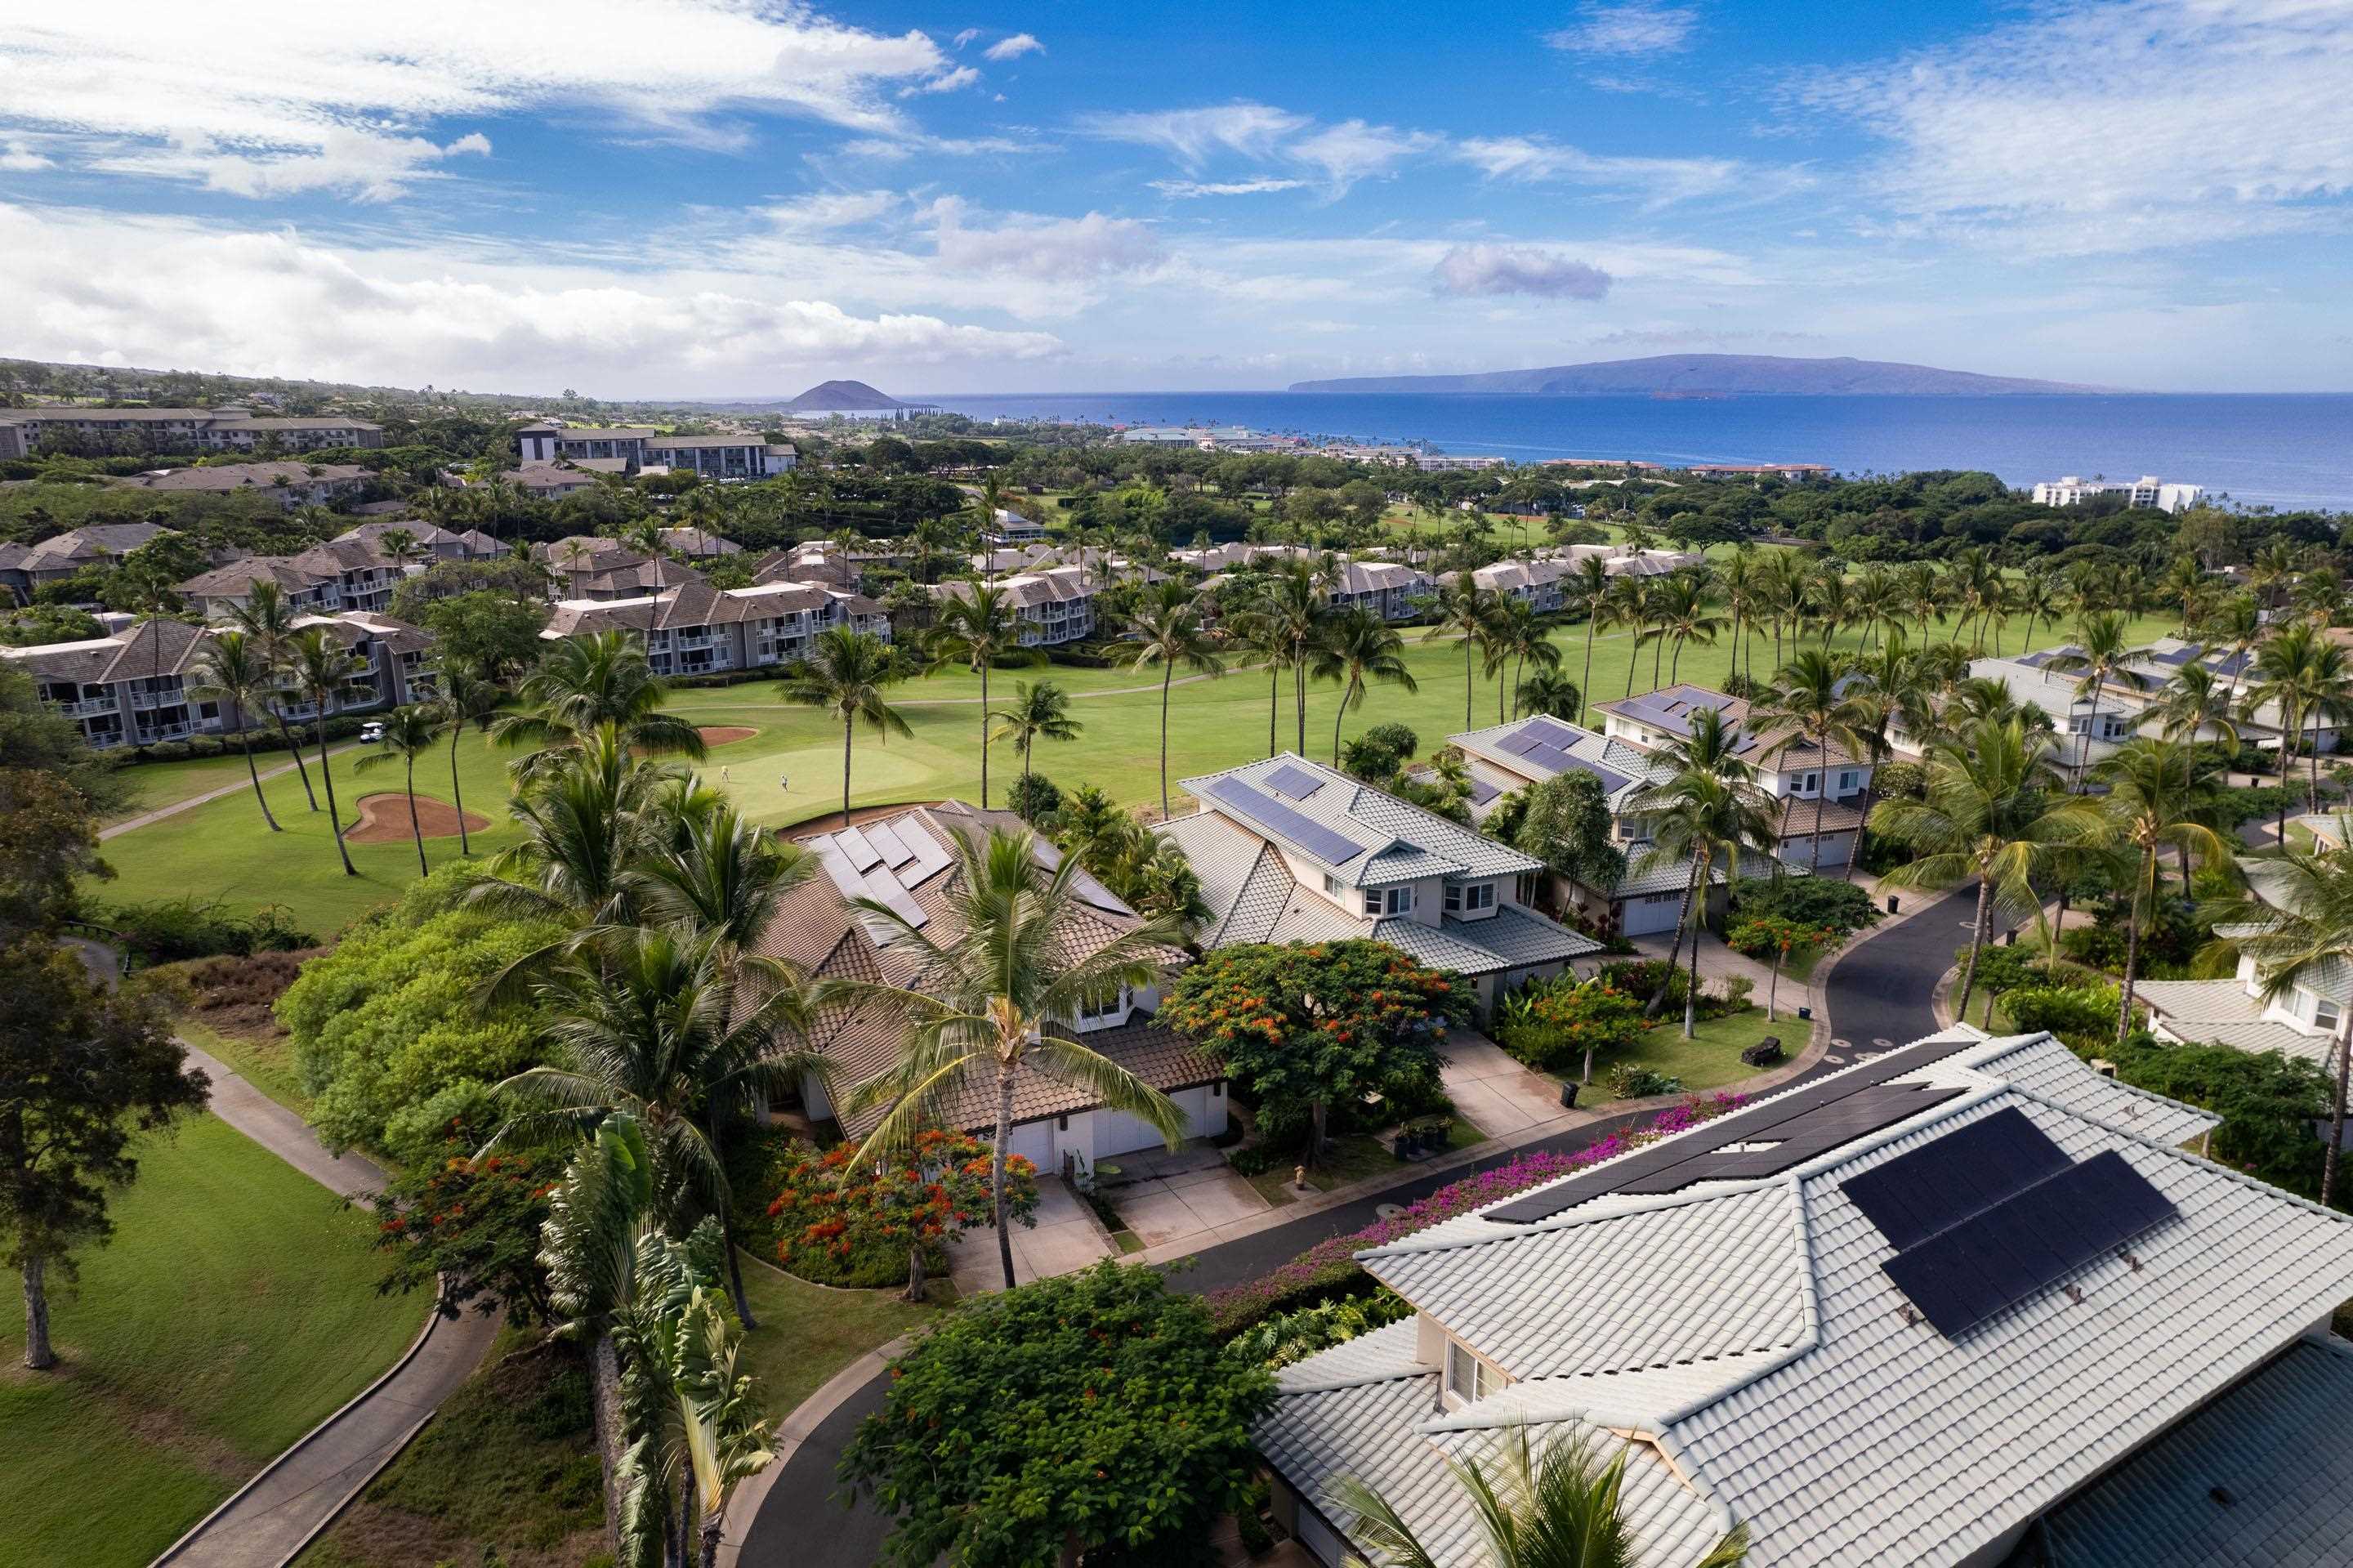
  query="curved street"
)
[{"x": 1879, "y": 993}]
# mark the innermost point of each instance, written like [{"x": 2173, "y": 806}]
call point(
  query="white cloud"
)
[
  {"x": 102, "y": 289},
  {"x": 17, "y": 157},
  {"x": 1660, "y": 180},
  {"x": 897, "y": 149},
  {"x": 369, "y": 168},
  {"x": 165, "y": 89},
  {"x": 1075, "y": 249},
  {"x": 2117, "y": 127},
  {"x": 1187, "y": 190},
  {"x": 1192, "y": 135},
  {"x": 1353, "y": 151},
  {"x": 1013, "y": 48},
  {"x": 826, "y": 211},
  {"x": 1491, "y": 270},
  {"x": 967, "y": 36},
  {"x": 962, "y": 76},
  {"x": 1640, "y": 28}
]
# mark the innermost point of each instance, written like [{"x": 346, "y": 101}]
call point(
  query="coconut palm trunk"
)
[
  {"x": 40, "y": 1356},
  {"x": 1168, "y": 674},
  {"x": 849, "y": 726},
  {"x": 1977, "y": 946},
  {"x": 415, "y": 828},
  {"x": 456, "y": 794},
  {"x": 245, "y": 743},
  {"x": 1273, "y": 700},
  {"x": 334, "y": 812},
  {"x": 1584, "y": 702},
  {"x": 1691, "y": 991},
  {"x": 1674, "y": 953},
  {"x": 294, "y": 748},
  {"x": 1004, "y": 1074},
  {"x": 984, "y": 739}
]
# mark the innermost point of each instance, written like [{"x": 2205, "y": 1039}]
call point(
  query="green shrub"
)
[
  {"x": 1288, "y": 1336},
  {"x": 170, "y": 929},
  {"x": 1555, "y": 1026},
  {"x": 1629, "y": 1082},
  {"x": 2064, "y": 1010}
]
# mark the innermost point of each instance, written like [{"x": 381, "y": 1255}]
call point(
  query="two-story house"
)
[
  {"x": 1822, "y": 794},
  {"x": 908, "y": 862},
  {"x": 1291, "y": 851},
  {"x": 24, "y": 567},
  {"x": 1649, "y": 897},
  {"x": 1966, "y": 1304},
  {"x": 2304, "y": 1020},
  {"x": 1054, "y": 606},
  {"x": 693, "y": 629}
]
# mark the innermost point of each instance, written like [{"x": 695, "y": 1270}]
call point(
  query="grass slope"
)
[
  {"x": 235, "y": 1309},
  {"x": 791, "y": 771}
]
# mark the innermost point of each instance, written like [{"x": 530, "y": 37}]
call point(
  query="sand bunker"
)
[
  {"x": 720, "y": 735},
  {"x": 384, "y": 818}
]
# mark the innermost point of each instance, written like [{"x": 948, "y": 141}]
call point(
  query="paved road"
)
[{"x": 1880, "y": 989}]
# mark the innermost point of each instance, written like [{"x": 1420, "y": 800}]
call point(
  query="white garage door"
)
[{"x": 1649, "y": 912}]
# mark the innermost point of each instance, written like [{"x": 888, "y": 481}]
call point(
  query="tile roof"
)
[
  {"x": 1748, "y": 1332},
  {"x": 132, "y": 654},
  {"x": 1376, "y": 822},
  {"x": 1528, "y": 749},
  {"x": 2221, "y": 1013},
  {"x": 225, "y": 477}
]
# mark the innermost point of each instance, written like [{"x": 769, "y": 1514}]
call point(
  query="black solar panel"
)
[
  {"x": 1263, "y": 809},
  {"x": 1915, "y": 1195},
  {"x": 1551, "y": 732},
  {"x": 1482, "y": 791},
  {"x": 1296, "y": 782},
  {"x": 1519, "y": 743},
  {"x": 1696, "y": 1156},
  {"x": 1999, "y": 1256}
]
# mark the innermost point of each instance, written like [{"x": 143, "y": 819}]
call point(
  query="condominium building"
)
[
  {"x": 1438, "y": 462},
  {"x": 349, "y": 572},
  {"x": 229, "y": 428},
  {"x": 24, "y": 567},
  {"x": 1054, "y": 606},
  {"x": 542, "y": 445},
  {"x": 141, "y": 685},
  {"x": 694, "y": 629},
  {"x": 2146, "y": 491},
  {"x": 290, "y": 484}
]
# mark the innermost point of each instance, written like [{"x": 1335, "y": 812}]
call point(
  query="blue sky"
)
[{"x": 709, "y": 197}]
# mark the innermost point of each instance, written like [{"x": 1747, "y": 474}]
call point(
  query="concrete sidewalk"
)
[
  {"x": 279, "y": 1512},
  {"x": 192, "y": 801}
]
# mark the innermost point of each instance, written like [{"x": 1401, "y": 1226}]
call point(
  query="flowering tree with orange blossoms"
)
[
  {"x": 1308, "y": 1025},
  {"x": 837, "y": 1221}
]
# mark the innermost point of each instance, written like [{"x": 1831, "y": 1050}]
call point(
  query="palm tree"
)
[
  {"x": 659, "y": 1024},
  {"x": 1036, "y": 713},
  {"x": 586, "y": 824},
  {"x": 409, "y": 733},
  {"x": 266, "y": 618},
  {"x": 232, "y": 669},
  {"x": 2041, "y": 598},
  {"x": 1707, "y": 818},
  {"x": 1003, "y": 975},
  {"x": 2308, "y": 677},
  {"x": 2103, "y": 655},
  {"x": 1519, "y": 637},
  {"x": 1923, "y": 596},
  {"x": 1358, "y": 647},
  {"x": 846, "y": 674},
  {"x": 1462, "y": 609},
  {"x": 1687, "y": 617},
  {"x": 1832, "y": 605},
  {"x": 1588, "y": 585},
  {"x": 1168, "y": 630},
  {"x": 2199, "y": 704},
  {"x": 1626, "y": 609},
  {"x": 1988, "y": 815},
  {"x": 2320, "y": 596},
  {"x": 1293, "y": 606},
  {"x": 1977, "y": 582},
  {"x": 582, "y": 682},
  {"x": 1809, "y": 708},
  {"x": 2185, "y": 584},
  {"x": 1551, "y": 692},
  {"x": 2160, "y": 793},
  {"x": 977, "y": 626},
  {"x": 321, "y": 668},
  {"x": 1265, "y": 637},
  {"x": 1559, "y": 1508},
  {"x": 1878, "y": 601},
  {"x": 2272, "y": 572},
  {"x": 468, "y": 698},
  {"x": 1890, "y": 687},
  {"x": 2302, "y": 931}
]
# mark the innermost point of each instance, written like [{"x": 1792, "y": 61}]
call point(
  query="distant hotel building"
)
[
  {"x": 2146, "y": 491},
  {"x": 714, "y": 457},
  {"x": 1792, "y": 471},
  {"x": 1433, "y": 462},
  {"x": 24, "y": 431}
]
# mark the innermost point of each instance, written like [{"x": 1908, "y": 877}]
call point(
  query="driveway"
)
[
  {"x": 1066, "y": 1237},
  {"x": 1879, "y": 995},
  {"x": 1189, "y": 1192},
  {"x": 1497, "y": 1094}
]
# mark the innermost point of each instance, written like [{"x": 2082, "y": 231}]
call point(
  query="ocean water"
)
[{"x": 2288, "y": 452}]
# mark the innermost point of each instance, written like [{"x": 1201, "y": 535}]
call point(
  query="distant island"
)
[
  {"x": 841, "y": 397},
  {"x": 1713, "y": 375}
]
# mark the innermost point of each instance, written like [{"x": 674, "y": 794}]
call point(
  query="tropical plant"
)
[
  {"x": 841, "y": 1222},
  {"x": 1551, "y": 692},
  {"x": 1588, "y": 584},
  {"x": 2199, "y": 704},
  {"x": 845, "y": 674},
  {"x": 409, "y": 733},
  {"x": 1988, "y": 814},
  {"x": 269, "y": 621},
  {"x": 581, "y": 683},
  {"x": 1687, "y": 617},
  {"x": 1007, "y": 967},
  {"x": 1462, "y": 609},
  {"x": 1359, "y": 647},
  {"x": 1559, "y": 1506},
  {"x": 322, "y": 668},
  {"x": 1706, "y": 819},
  {"x": 2160, "y": 794},
  {"x": 1036, "y": 713},
  {"x": 2307, "y": 676},
  {"x": 1521, "y": 637},
  {"x": 468, "y": 697},
  {"x": 978, "y": 627},
  {"x": 1809, "y": 710},
  {"x": 2103, "y": 655},
  {"x": 232, "y": 669},
  {"x": 1168, "y": 631}
]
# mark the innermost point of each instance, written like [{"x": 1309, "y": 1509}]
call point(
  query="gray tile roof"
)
[
  {"x": 1376, "y": 822},
  {"x": 2277, "y": 1447},
  {"x": 2220, "y": 1012},
  {"x": 1746, "y": 1331}
]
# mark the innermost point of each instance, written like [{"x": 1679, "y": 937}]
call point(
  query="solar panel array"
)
[
  {"x": 882, "y": 861},
  {"x": 2179, "y": 656},
  {"x": 1915, "y": 1195},
  {"x": 1797, "y": 1126},
  {"x": 1295, "y": 781},
  {"x": 1482, "y": 791},
  {"x": 1326, "y": 845},
  {"x": 1551, "y": 732},
  {"x": 1998, "y": 1257},
  {"x": 1530, "y": 746}
]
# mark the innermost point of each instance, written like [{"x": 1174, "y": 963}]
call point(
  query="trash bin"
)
[
  {"x": 1568, "y": 1096},
  {"x": 1890, "y": 904},
  {"x": 1806, "y": 1012}
]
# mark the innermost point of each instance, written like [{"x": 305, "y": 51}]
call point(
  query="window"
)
[
  {"x": 1110, "y": 1007},
  {"x": 2326, "y": 1014},
  {"x": 1809, "y": 783},
  {"x": 1468, "y": 1377},
  {"x": 1331, "y": 885},
  {"x": 1453, "y": 899},
  {"x": 1396, "y": 901},
  {"x": 1470, "y": 900},
  {"x": 1847, "y": 781}
]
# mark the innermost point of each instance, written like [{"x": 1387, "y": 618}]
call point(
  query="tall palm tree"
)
[
  {"x": 1036, "y": 713},
  {"x": 1707, "y": 819},
  {"x": 586, "y": 823},
  {"x": 1708, "y": 755},
  {"x": 1168, "y": 631},
  {"x": 679, "y": 1033},
  {"x": 2041, "y": 598},
  {"x": 2160, "y": 793},
  {"x": 1687, "y": 617},
  {"x": 1588, "y": 585},
  {"x": 2199, "y": 704},
  {"x": 468, "y": 697},
  {"x": 1989, "y": 815},
  {"x": 2301, "y": 931},
  {"x": 1293, "y": 602},
  {"x": 408, "y": 733},
  {"x": 232, "y": 669},
  {"x": 1878, "y": 594},
  {"x": 1923, "y": 596},
  {"x": 978, "y": 626},
  {"x": 846, "y": 674},
  {"x": 1557, "y": 1508},
  {"x": 582, "y": 682},
  {"x": 1550, "y": 692},
  {"x": 1004, "y": 975},
  {"x": 1626, "y": 609},
  {"x": 1464, "y": 610},
  {"x": 1976, "y": 583},
  {"x": 2185, "y": 584},
  {"x": 1521, "y": 636},
  {"x": 1833, "y": 603},
  {"x": 2308, "y": 677},
  {"x": 1809, "y": 708},
  {"x": 1265, "y": 636},
  {"x": 2103, "y": 654},
  {"x": 268, "y": 619},
  {"x": 1357, "y": 648},
  {"x": 322, "y": 668},
  {"x": 2272, "y": 572},
  {"x": 1890, "y": 687}
]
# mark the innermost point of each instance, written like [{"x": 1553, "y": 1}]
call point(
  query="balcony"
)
[
  {"x": 163, "y": 697},
  {"x": 106, "y": 705}
]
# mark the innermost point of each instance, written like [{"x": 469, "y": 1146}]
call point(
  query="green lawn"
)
[
  {"x": 267, "y": 1064},
  {"x": 158, "y": 784},
  {"x": 235, "y": 1309},
  {"x": 1710, "y": 1059},
  {"x": 1353, "y": 1157},
  {"x": 808, "y": 1332},
  {"x": 790, "y": 771}
]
